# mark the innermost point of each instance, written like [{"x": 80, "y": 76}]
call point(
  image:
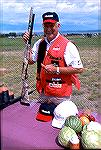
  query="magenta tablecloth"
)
[{"x": 21, "y": 131}]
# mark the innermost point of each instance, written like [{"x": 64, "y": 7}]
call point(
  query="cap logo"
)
[
  {"x": 48, "y": 16},
  {"x": 58, "y": 116},
  {"x": 44, "y": 111}
]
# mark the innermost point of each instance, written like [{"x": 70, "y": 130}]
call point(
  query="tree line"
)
[{"x": 10, "y": 34}]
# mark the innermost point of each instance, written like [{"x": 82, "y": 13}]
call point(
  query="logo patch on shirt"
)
[
  {"x": 55, "y": 85},
  {"x": 57, "y": 48}
]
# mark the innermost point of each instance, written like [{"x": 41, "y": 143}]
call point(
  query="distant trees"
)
[
  {"x": 10, "y": 34},
  {"x": 14, "y": 34},
  {"x": 3, "y": 35},
  {"x": 89, "y": 35}
]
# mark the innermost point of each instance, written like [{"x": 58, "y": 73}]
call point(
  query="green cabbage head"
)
[
  {"x": 64, "y": 136},
  {"x": 91, "y": 139}
]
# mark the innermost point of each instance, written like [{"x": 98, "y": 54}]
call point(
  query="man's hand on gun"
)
[
  {"x": 29, "y": 50},
  {"x": 26, "y": 36}
]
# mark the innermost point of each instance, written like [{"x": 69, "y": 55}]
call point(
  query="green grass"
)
[
  {"x": 17, "y": 44},
  {"x": 11, "y": 44},
  {"x": 86, "y": 42}
]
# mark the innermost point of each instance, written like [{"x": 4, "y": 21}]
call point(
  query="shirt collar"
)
[{"x": 53, "y": 39}]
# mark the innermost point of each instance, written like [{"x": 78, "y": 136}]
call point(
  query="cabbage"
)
[
  {"x": 91, "y": 137},
  {"x": 65, "y": 134},
  {"x": 94, "y": 126}
]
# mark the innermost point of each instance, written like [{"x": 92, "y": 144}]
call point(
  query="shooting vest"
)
[{"x": 54, "y": 84}]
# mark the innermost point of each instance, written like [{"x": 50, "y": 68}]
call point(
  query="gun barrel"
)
[
  {"x": 24, "y": 93},
  {"x": 30, "y": 25}
]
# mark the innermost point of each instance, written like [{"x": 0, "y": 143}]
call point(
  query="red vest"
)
[{"x": 57, "y": 84}]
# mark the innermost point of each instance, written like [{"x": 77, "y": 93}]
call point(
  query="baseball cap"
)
[
  {"x": 62, "y": 111},
  {"x": 45, "y": 112},
  {"x": 50, "y": 17}
]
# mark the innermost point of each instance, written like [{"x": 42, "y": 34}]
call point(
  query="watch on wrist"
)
[{"x": 57, "y": 70}]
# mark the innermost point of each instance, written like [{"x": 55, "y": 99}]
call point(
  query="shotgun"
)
[{"x": 24, "y": 76}]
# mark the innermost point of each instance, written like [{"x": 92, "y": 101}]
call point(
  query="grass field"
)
[
  {"x": 17, "y": 44},
  {"x": 11, "y": 57}
]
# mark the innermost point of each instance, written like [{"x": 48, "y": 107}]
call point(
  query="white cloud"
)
[
  {"x": 68, "y": 6},
  {"x": 17, "y": 11},
  {"x": 78, "y": 6}
]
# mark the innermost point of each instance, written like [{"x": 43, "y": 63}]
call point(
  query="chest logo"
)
[{"x": 57, "y": 48}]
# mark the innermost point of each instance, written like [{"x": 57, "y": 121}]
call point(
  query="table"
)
[{"x": 21, "y": 131}]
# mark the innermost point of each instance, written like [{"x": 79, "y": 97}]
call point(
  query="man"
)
[{"x": 58, "y": 62}]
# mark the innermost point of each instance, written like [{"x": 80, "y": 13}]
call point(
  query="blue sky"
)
[{"x": 75, "y": 15}]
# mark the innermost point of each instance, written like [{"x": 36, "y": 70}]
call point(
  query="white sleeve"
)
[
  {"x": 35, "y": 50},
  {"x": 72, "y": 57}
]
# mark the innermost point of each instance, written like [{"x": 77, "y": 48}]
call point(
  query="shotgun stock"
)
[{"x": 24, "y": 94}]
